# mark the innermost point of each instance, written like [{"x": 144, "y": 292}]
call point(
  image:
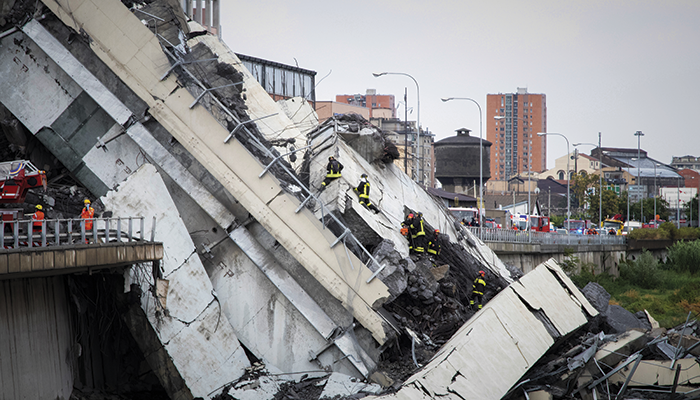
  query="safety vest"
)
[
  {"x": 333, "y": 169},
  {"x": 363, "y": 190},
  {"x": 37, "y": 217},
  {"x": 87, "y": 215},
  {"x": 417, "y": 229},
  {"x": 479, "y": 285}
]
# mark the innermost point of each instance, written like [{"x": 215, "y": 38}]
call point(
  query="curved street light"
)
[
  {"x": 568, "y": 178},
  {"x": 418, "y": 146},
  {"x": 600, "y": 180},
  {"x": 639, "y": 135},
  {"x": 481, "y": 155}
]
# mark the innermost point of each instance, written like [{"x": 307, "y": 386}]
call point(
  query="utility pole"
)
[{"x": 405, "y": 136}]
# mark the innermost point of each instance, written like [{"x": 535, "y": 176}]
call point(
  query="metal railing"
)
[
  {"x": 513, "y": 236},
  {"x": 179, "y": 62},
  {"x": 66, "y": 232}
]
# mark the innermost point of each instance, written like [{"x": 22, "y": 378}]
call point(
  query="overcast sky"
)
[{"x": 614, "y": 67}]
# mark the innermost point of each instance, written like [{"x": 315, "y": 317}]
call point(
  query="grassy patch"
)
[{"x": 667, "y": 292}]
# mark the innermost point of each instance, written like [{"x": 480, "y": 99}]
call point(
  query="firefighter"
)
[
  {"x": 478, "y": 289},
  {"x": 417, "y": 232},
  {"x": 87, "y": 214},
  {"x": 363, "y": 191},
  {"x": 38, "y": 218},
  {"x": 434, "y": 243},
  {"x": 332, "y": 171}
]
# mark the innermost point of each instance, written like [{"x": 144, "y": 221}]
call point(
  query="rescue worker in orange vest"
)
[
  {"x": 363, "y": 190},
  {"x": 332, "y": 171},
  {"x": 87, "y": 214},
  {"x": 434, "y": 243},
  {"x": 38, "y": 218},
  {"x": 478, "y": 289},
  {"x": 406, "y": 230}
]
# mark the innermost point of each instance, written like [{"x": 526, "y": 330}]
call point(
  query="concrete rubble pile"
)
[
  {"x": 618, "y": 355},
  {"x": 268, "y": 284}
]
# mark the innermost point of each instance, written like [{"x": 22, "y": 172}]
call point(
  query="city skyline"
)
[{"x": 612, "y": 67}]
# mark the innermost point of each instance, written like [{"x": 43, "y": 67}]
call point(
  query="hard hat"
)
[
  {"x": 410, "y": 215},
  {"x": 482, "y": 273},
  {"x": 39, "y": 207},
  {"x": 331, "y": 158},
  {"x": 363, "y": 176},
  {"x": 437, "y": 230},
  {"x": 86, "y": 201}
]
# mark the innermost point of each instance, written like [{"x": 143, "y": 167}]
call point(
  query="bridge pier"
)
[{"x": 37, "y": 346}]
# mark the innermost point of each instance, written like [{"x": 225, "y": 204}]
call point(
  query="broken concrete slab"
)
[
  {"x": 192, "y": 327},
  {"x": 262, "y": 196},
  {"x": 611, "y": 353},
  {"x": 500, "y": 343},
  {"x": 661, "y": 373},
  {"x": 340, "y": 385}
]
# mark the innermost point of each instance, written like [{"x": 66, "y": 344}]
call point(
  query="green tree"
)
[
  {"x": 691, "y": 209},
  {"x": 662, "y": 209},
  {"x": 580, "y": 183},
  {"x": 612, "y": 204},
  {"x": 558, "y": 220}
]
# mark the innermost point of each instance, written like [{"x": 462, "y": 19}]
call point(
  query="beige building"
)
[{"x": 577, "y": 162}]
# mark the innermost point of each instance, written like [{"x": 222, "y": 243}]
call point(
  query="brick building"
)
[
  {"x": 516, "y": 146},
  {"x": 380, "y": 105}
]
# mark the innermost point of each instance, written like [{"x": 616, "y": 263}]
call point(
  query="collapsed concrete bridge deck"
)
[{"x": 249, "y": 257}]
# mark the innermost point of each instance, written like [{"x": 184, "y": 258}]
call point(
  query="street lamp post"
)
[
  {"x": 481, "y": 156},
  {"x": 600, "y": 180},
  {"x": 678, "y": 202},
  {"x": 639, "y": 135},
  {"x": 418, "y": 146},
  {"x": 655, "y": 192},
  {"x": 568, "y": 178},
  {"x": 628, "y": 208},
  {"x": 529, "y": 173}
]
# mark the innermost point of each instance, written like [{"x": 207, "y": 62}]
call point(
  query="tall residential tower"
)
[{"x": 512, "y": 123}]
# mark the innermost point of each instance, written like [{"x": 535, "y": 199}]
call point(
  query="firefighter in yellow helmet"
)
[
  {"x": 478, "y": 289},
  {"x": 87, "y": 214},
  {"x": 38, "y": 217}
]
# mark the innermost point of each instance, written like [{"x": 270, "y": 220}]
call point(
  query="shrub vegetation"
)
[{"x": 668, "y": 291}]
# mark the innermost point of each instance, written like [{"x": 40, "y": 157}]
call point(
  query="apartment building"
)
[{"x": 512, "y": 123}]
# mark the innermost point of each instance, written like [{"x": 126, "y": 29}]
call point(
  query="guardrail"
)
[
  {"x": 65, "y": 232},
  {"x": 513, "y": 236}
]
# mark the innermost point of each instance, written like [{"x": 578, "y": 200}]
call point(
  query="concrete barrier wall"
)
[{"x": 525, "y": 257}]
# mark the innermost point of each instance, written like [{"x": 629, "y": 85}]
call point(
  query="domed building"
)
[{"x": 457, "y": 162}]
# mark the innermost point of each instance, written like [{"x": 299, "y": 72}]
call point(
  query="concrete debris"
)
[
  {"x": 264, "y": 275},
  {"x": 634, "y": 364},
  {"x": 341, "y": 386},
  {"x": 258, "y": 384},
  {"x": 618, "y": 319},
  {"x": 597, "y": 296}
]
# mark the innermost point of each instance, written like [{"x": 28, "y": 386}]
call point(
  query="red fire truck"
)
[{"x": 16, "y": 178}]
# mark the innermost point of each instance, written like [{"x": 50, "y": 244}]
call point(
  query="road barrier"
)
[
  {"x": 513, "y": 236},
  {"x": 65, "y": 232}
]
